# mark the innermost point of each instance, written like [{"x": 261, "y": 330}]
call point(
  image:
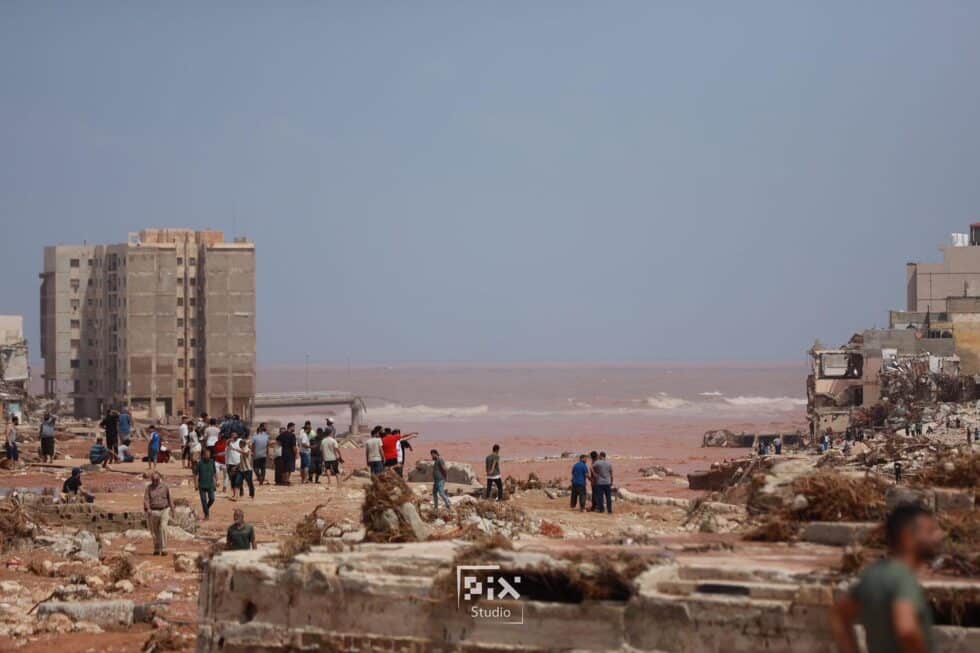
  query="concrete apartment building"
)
[
  {"x": 929, "y": 285},
  {"x": 164, "y": 323}
]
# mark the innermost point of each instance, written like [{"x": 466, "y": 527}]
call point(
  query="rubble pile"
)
[
  {"x": 15, "y": 524},
  {"x": 962, "y": 549},
  {"x": 390, "y": 512}
]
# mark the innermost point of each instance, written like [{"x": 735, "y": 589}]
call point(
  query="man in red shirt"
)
[{"x": 390, "y": 443}]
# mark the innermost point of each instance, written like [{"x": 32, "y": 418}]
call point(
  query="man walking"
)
[
  {"x": 10, "y": 444},
  {"x": 439, "y": 475},
  {"x": 603, "y": 472},
  {"x": 110, "y": 423},
  {"x": 260, "y": 452},
  {"x": 153, "y": 449},
  {"x": 493, "y": 473},
  {"x": 205, "y": 474},
  {"x": 887, "y": 598},
  {"x": 158, "y": 505},
  {"x": 580, "y": 476}
]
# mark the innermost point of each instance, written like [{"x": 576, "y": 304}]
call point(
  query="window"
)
[
  {"x": 193, "y": 280},
  {"x": 91, "y": 363},
  {"x": 180, "y": 301},
  {"x": 76, "y": 324},
  {"x": 75, "y": 363},
  {"x": 74, "y": 262},
  {"x": 192, "y": 321},
  {"x": 91, "y": 343},
  {"x": 180, "y": 362},
  {"x": 193, "y": 383},
  {"x": 193, "y": 363},
  {"x": 193, "y": 301},
  {"x": 75, "y": 303},
  {"x": 193, "y": 342},
  {"x": 180, "y": 383},
  {"x": 76, "y": 386},
  {"x": 190, "y": 403},
  {"x": 180, "y": 322},
  {"x": 180, "y": 260},
  {"x": 76, "y": 343},
  {"x": 180, "y": 342},
  {"x": 192, "y": 261},
  {"x": 75, "y": 284},
  {"x": 91, "y": 282}
]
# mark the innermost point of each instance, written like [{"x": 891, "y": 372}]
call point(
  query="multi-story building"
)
[
  {"x": 930, "y": 285},
  {"x": 164, "y": 322}
]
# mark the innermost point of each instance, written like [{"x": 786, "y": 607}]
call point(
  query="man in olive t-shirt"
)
[
  {"x": 887, "y": 598},
  {"x": 241, "y": 536}
]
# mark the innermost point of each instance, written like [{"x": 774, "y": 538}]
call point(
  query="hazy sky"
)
[{"x": 603, "y": 181}]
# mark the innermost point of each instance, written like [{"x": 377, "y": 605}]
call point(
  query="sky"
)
[{"x": 505, "y": 181}]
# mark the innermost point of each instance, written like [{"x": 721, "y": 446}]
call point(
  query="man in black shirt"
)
[{"x": 287, "y": 440}]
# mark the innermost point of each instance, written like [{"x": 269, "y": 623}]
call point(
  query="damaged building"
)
[
  {"x": 15, "y": 372},
  {"x": 930, "y": 351},
  {"x": 164, "y": 323}
]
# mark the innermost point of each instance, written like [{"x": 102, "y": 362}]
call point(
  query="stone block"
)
[
  {"x": 103, "y": 613},
  {"x": 953, "y": 499},
  {"x": 837, "y": 533}
]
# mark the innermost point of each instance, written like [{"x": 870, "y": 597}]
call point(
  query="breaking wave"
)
[
  {"x": 422, "y": 411},
  {"x": 713, "y": 393},
  {"x": 663, "y": 401},
  {"x": 772, "y": 403}
]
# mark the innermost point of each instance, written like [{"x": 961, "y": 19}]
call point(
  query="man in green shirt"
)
[
  {"x": 205, "y": 473},
  {"x": 241, "y": 536},
  {"x": 887, "y": 598}
]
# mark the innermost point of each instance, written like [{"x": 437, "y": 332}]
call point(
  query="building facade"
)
[
  {"x": 163, "y": 323},
  {"x": 930, "y": 285}
]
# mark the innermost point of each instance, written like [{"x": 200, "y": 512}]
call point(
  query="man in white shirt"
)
[
  {"x": 304, "y": 452},
  {"x": 233, "y": 458},
  {"x": 185, "y": 445},
  {"x": 211, "y": 435},
  {"x": 331, "y": 457},
  {"x": 372, "y": 452}
]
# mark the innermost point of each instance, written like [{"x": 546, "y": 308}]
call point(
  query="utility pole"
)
[{"x": 307, "y": 373}]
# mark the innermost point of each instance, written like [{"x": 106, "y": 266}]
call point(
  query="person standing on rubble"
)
[
  {"x": 778, "y": 444},
  {"x": 47, "y": 438},
  {"x": 493, "y": 473},
  {"x": 887, "y": 598},
  {"x": 158, "y": 505},
  {"x": 10, "y": 444},
  {"x": 439, "y": 476}
]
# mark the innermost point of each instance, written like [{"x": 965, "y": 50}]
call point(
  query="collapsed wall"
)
[{"x": 384, "y": 597}]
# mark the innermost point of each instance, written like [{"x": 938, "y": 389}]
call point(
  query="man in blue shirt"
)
[
  {"x": 580, "y": 477},
  {"x": 99, "y": 454}
]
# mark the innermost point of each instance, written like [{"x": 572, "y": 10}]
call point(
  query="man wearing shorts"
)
[{"x": 331, "y": 457}]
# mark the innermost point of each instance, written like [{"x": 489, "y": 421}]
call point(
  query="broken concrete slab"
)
[
  {"x": 103, "y": 613},
  {"x": 648, "y": 500},
  {"x": 952, "y": 499},
  {"x": 837, "y": 533},
  {"x": 460, "y": 473}
]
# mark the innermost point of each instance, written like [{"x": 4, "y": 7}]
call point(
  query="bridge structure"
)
[{"x": 319, "y": 398}]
